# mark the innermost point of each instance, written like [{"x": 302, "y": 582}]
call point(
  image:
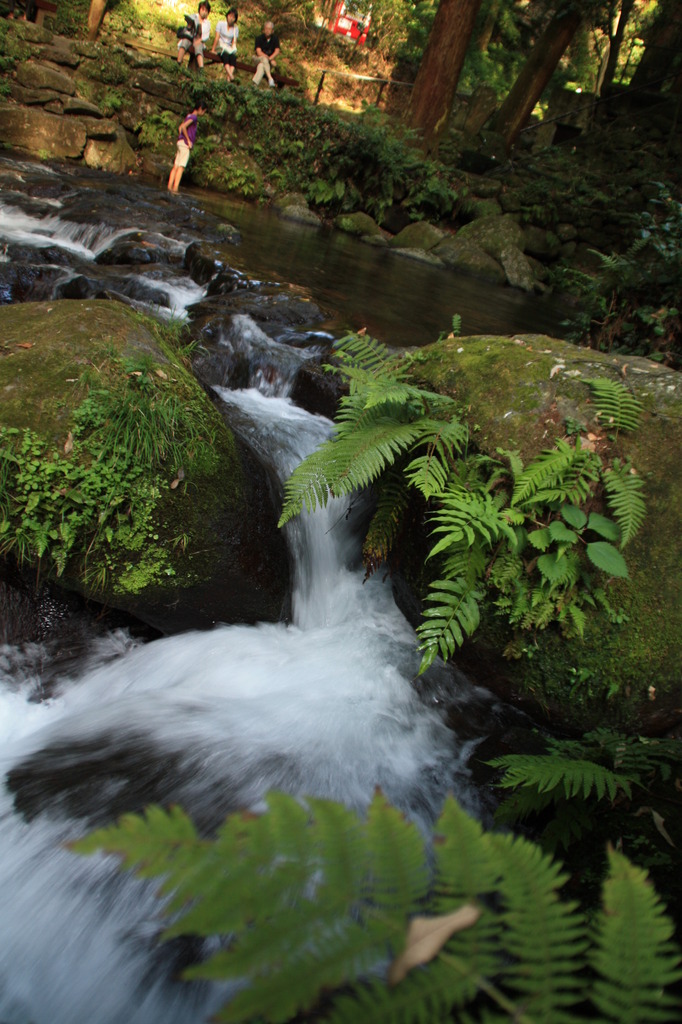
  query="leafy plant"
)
[
  {"x": 617, "y": 407},
  {"x": 131, "y": 433},
  {"x": 621, "y": 788},
  {"x": 319, "y": 911},
  {"x": 512, "y": 536},
  {"x": 632, "y": 306}
]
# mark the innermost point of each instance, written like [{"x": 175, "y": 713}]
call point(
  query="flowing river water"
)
[{"x": 324, "y": 704}]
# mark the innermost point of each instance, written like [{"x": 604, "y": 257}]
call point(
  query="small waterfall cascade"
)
[{"x": 324, "y": 705}]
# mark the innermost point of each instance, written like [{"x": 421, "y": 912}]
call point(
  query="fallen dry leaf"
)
[
  {"x": 363, "y": 330},
  {"x": 25, "y": 344},
  {"x": 68, "y": 444},
  {"x": 659, "y": 822},
  {"x": 555, "y": 369},
  {"x": 426, "y": 936},
  {"x": 161, "y": 374}
]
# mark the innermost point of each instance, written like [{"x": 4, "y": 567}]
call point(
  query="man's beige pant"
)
[{"x": 262, "y": 69}]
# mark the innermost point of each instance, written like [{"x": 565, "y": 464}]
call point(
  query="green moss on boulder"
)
[
  {"x": 185, "y": 548},
  {"x": 522, "y": 393}
]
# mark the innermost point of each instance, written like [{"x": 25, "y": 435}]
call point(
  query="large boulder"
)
[
  {"x": 210, "y": 550},
  {"x": 37, "y": 131},
  {"x": 419, "y": 235},
  {"x": 110, "y": 155},
  {"x": 493, "y": 234},
  {"x": 34, "y": 75},
  {"x": 458, "y": 254},
  {"x": 522, "y": 393}
]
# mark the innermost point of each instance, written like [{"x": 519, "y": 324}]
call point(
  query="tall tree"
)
[
  {"x": 440, "y": 68},
  {"x": 661, "y": 57},
  {"x": 535, "y": 74},
  {"x": 95, "y": 15},
  {"x": 617, "y": 25}
]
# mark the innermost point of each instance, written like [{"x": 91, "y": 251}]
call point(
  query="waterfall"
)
[
  {"x": 212, "y": 721},
  {"x": 324, "y": 705}
]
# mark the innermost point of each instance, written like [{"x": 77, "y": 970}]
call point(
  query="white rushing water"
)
[
  {"x": 324, "y": 705},
  {"x": 212, "y": 721}
]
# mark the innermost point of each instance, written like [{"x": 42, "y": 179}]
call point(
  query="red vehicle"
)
[{"x": 349, "y": 21}]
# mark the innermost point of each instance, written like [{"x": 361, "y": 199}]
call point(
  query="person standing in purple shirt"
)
[{"x": 186, "y": 136}]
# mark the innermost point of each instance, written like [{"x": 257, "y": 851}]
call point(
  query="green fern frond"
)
[
  {"x": 634, "y": 957},
  {"x": 315, "y": 898},
  {"x": 565, "y": 777},
  {"x": 617, "y": 407},
  {"x": 467, "y": 518},
  {"x": 392, "y": 497},
  {"x": 455, "y": 615},
  {"x": 624, "y": 494},
  {"x": 347, "y": 462},
  {"x": 543, "y": 935},
  {"x": 365, "y": 355},
  {"x": 563, "y": 473}
]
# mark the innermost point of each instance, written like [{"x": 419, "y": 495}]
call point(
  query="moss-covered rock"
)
[
  {"x": 522, "y": 393},
  {"x": 177, "y": 546},
  {"x": 360, "y": 224},
  {"x": 493, "y": 234},
  {"x": 420, "y": 235}
]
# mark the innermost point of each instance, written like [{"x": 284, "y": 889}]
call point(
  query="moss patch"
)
[
  {"x": 65, "y": 368},
  {"x": 521, "y": 393}
]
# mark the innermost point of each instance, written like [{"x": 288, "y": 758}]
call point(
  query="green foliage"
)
[
  {"x": 72, "y": 18},
  {"x": 512, "y": 536},
  {"x": 381, "y": 420},
  {"x": 134, "y": 431},
  {"x": 314, "y": 901},
  {"x": 624, "y": 494},
  {"x": 632, "y": 306},
  {"x": 158, "y": 129},
  {"x": 617, "y": 407},
  {"x": 574, "y": 776},
  {"x": 340, "y": 165}
]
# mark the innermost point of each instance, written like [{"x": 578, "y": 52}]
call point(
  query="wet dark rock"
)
[
  {"x": 227, "y": 281},
  {"x": 277, "y": 308},
  {"x": 316, "y": 391},
  {"x": 201, "y": 263},
  {"x": 138, "y": 248},
  {"x": 23, "y": 283}
]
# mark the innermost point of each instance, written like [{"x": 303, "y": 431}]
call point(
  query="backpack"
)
[{"x": 189, "y": 31}]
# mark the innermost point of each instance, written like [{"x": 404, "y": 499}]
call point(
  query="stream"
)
[{"x": 323, "y": 705}]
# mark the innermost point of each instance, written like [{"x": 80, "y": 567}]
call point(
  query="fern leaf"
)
[
  {"x": 563, "y": 473},
  {"x": 392, "y": 500},
  {"x": 617, "y": 407},
  {"x": 565, "y": 777},
  {"x": 544, "y": 936},
  {"x": 634, "y": 957},
  {"x": 559, "y": 569},
  {"x": 348, "y": 462},
  {"x": 455, "y": 615},
  {"x": 624, "y": 491}
]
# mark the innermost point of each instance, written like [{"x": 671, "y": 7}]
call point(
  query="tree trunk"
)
[
  {"x": 95, "y": 15},
  {"x": 615, "y": 41},
  {"x": 439, "y": 71},
  {"x": 486, "y": 32},
  {"x": 662, "y": 47},
  {"x": 534, "y": 75}
]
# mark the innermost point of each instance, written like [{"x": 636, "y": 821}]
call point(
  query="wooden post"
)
[{"x": 319, "y": 87}]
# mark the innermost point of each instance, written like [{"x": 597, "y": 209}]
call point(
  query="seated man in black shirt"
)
[{"x": 267, "y": 49}]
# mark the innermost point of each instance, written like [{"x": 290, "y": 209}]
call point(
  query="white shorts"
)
[{"x": 182, "y": 154}]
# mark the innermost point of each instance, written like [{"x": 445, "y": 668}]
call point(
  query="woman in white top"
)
[{"x": 225, "y": 42}]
